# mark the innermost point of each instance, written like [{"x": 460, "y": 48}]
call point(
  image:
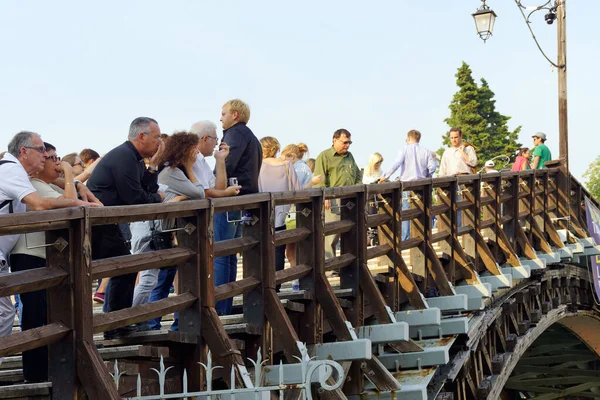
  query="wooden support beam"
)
[
  {"x": 32, "y": 338},
  {"x": 463, "y": 263},
  {"x": 437, "y": 272},
  {"x": 539, "y": 235},
  {"x": 290, "y": 236},
  {"x": 523, "y": 241},
  {"x": 93, "y": 374},
  {"x": 281, "y": 325},
  {"x": 235, "y": 288},
  {"x": 233, "y": 246},
  {"x": 506, "y": 247},
  {"x": 550, "y": 229},
  {"x": 486, "y": 255},
  {"x": 116, "y": 266},
  {"x": 31, "y": 280},
  {"x": 337, "y": 227},
  {"x": 127, "y": 316},
  {"x": 295, "y": 272}
]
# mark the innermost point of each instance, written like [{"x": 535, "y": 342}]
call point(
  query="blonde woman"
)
[
  {"x": 373, "y": 170},
  {"x": 277, "y": 175}
]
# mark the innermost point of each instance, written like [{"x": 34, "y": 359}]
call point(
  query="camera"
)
[{"x": 550, "y": 17}]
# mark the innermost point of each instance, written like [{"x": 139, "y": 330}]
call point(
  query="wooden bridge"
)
[{"x": 498, "y": 307}]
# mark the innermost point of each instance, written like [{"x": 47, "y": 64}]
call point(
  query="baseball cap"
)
[
  {"x": 541, "y": 135},
  {"x": 490, "y": 164}
]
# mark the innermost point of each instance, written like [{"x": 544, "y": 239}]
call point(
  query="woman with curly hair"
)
[{"x": 179, "y": 183}]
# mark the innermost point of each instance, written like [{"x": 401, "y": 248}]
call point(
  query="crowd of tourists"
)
[{"x": 151, "y": 167}]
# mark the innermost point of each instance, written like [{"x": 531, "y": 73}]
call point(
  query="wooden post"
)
[{"x": 563, "y": 125}]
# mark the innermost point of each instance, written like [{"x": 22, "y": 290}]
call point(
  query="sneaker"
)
[
  {"x": 120, "y": 332},
  {"x": 98, "y": 297}
]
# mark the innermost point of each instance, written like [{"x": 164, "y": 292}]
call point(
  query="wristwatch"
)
[{"x": 152, "y": 168}]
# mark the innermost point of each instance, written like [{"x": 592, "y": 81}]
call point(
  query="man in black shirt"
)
[
  {"x": 243, "y": 163},
  {"x": 121, "y": 178}
]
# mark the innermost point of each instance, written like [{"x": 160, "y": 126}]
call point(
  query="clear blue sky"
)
[{"x": 79, "y": 72}]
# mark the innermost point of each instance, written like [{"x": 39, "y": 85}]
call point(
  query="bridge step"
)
[
  {"x": 435, "y": 352},
  {"x": 37, "y": 391},
  {"x": 552, "y": 258},
  {"x": 458, "y": 302},
  {"x": 535, "y": 264},
  {"x": 384, "y": 333},
  {"x": 418, "y": 318},
  {"x": 475, "y": 294},
  {"x": 448, "y": 326},
  {"x": 518, "y": 272},
  {"x": 358, "y": 349},
  {"x": 413, "y": 386},
  {"x": 497, "y": 281}
]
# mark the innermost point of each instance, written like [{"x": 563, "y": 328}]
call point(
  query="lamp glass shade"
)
[{"x": 484, "y": 22}]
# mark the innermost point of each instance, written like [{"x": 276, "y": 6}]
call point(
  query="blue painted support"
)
[
  {"x": 566, "y": 253},
  {"x": 553, "y": 258},
  {"x": 518, "y": 272},
  {"x": 435, "y": 352},
  {"x": 536, "y": 263},
  {"x": 413, "y": 386},
  {"x": 476, "y": 294},
  {"x": 429, "y": 316},
  {"x": 592, "y": 251},
  {"x": 359, "y": 349},
  {"x": 497, "y": 281},
  {"x": 457, "y": 302},
  {"x": 385, "y": 333},
  {"x": 448, "y": 326},
  {"x": 292, "y": 374},
  {"x": 576, "y": 248}
]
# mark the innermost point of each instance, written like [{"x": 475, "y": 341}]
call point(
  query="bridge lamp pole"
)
[{"x": 555, "y": 11}]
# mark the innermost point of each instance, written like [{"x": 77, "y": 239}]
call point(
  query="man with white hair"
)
[
  {"x": 26, "y": 156},
  {"x": 214, "y": 186},
  {"x": 489, "y": 166}
]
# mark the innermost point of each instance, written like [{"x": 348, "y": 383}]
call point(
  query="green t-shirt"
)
[{"x": 543, "y": 152}]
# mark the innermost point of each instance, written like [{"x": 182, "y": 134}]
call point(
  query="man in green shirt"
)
[
  {"x": 337, "y": 167},
  {"x": 541, "y": 152}
]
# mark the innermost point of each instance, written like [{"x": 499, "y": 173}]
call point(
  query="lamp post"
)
[{"x": 555, "y": 10}]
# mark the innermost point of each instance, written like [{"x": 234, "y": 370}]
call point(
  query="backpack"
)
[{"x": 7, "y": 202}]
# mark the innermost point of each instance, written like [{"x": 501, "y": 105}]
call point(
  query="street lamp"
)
[
  {"x": 555, "y": 10},
  {"x": 484, "y": 21}
]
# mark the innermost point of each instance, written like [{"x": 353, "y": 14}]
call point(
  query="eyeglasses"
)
[
  {"x": 80, "y": 163},
  {"x": 347, "y": 142},
  {"x": 53, "y": 158},
  {"x": 216, "y": 138},
  {"x": 39, "y": 149}
]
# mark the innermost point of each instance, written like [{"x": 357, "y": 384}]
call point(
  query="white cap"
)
[{"x": 489, "y": 163}]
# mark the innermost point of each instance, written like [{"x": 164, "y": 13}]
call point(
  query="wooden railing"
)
[{"x": 504, "y": 216}]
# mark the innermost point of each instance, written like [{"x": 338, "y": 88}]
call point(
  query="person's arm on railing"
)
[{"x": 398, "y": 162}]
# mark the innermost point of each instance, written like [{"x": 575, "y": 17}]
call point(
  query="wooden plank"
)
[
  {"x": 437, "y": 272},
  {"x": 552, "y": 232},
  {"x": 223, "y": 349},
  {"x": 539, "y": 234},
  {"x": 235, "y": 288},
  {"x": 411, "y": 243},
  {"x": 32, "y": 338},
  {"x": 144, "y": 212},
  {"x": 62, "y": 370},
  {"x": 506, "y": 247},
  {"x": 439, "y": 236},
  {"x": 338, "y": 262},
  {"x": 116, "y": 266},
  {"x": 486, "y": 255},
  {"x": 378, "y": 251},
  {"x": 31, "y": 280},
  {"x": 33, "y": 227},
  {"x": 290, "y": 236},
  {"x": 463, "y": 263},
  {"x": 523, "y": 241},
  {"x": 144, "y": 312},
  {"x": 369, "y": 287},
  {"x": 337, "y": 227},
  {"x": 281, "y": 325},
  {"x": 61, "y": 216},
  {"x": 439, "y": 209},
  {"x": 289, "y": 274},
  {"x": 410, "y": 214},
  {"x": 374, "y": 220},
  {"x": 93, "y": 374},
  {"x": 234, "y": 246}
]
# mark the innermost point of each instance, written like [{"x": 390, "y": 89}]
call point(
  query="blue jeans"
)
[
  {"x": 161, "y": 291},
  {"x": 405, "y": 224},
  {"x": 225, "y": 268}
]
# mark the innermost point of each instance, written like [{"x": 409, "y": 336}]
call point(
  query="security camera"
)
[{"x": 550, "y": 17}]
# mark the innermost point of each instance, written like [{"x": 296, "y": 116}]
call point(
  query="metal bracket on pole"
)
[
  {"x": 189, "y": 228},
  {"x": 59, "y": 244}
]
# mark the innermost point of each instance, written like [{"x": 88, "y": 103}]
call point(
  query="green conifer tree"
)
[{"x": 473, "y": 109}]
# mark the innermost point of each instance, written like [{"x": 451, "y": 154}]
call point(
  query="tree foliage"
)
[
  {"x": 593, "y": 178},
  {"x": 473, "y": 109}
]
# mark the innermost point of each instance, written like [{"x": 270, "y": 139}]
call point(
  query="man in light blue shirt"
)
[{"x": 416, "y": 163}]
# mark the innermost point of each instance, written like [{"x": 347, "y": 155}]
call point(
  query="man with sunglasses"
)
[
  {"x": 25, "y": 157},
  {"x": 337, "y": 167}
]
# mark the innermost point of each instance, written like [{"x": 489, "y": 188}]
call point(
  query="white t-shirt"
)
[
  {"x": 14, "y": 186},
  {"x": 204, "y": 173},
  {"x": 38, "y": 238}
]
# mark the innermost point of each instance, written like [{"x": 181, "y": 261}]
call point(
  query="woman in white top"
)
[
  {"x": 28, "y": 254},
  {"x": 373, "y": 170}
]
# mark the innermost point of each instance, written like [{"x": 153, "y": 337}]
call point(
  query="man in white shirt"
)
[
  {"x": 25, "y": 156},
  {"x": 214, "y": 186},
  {"x": 457, "y": 159}
]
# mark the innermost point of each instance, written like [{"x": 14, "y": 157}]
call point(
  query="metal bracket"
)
[
  {"x": 485, "y": 186},
  {"x": 306, "y": 212},
  {"x": 189, "y": 228},
  {"x": 247, "y": 219},
  {"x": 505, "y": 185},
  {"x": 59, "y": 244},
  {"x": 461, "y": 191},
  {"x": 560, "y": 219},
  {"x": 349, "y": 205}
]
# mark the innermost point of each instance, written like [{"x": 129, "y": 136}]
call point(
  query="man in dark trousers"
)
[
  {"x": 243, "y": 163},
  {"x": 122, "y": 178}
]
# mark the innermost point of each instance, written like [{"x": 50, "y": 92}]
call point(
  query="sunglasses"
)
[
  {"x": 39, "y": 149},
  {"x": 347, "y": 142},
  {"x": 53, "y": 158}
]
